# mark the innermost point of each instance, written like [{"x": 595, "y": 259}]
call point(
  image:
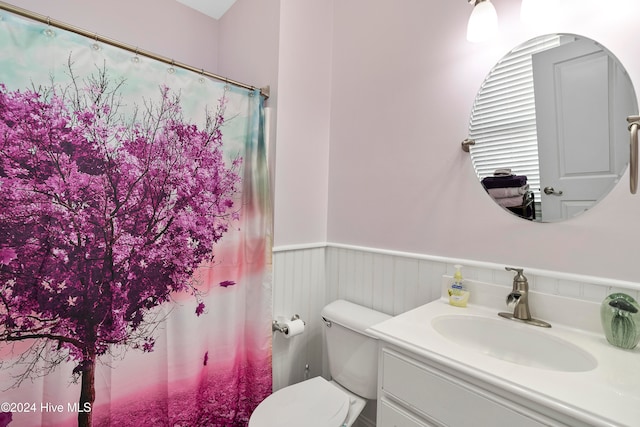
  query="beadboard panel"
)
[
  {"x": 396, "y": 284},
  {"x": 387, "y": 283},
  {"x": 306, "y": 279},
  {"x": 298, "y": 288}
]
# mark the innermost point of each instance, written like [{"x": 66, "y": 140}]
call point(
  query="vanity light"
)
[{"x": 483, "y": 22}]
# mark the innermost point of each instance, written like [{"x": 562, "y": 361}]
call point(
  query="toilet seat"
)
[{"x": 311, "y": 403}]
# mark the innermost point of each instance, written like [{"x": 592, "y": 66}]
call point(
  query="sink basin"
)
[{"x": 514, "y": 342}]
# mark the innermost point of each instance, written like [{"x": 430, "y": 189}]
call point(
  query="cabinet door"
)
[
  {"x": 389, "y": 415},
  {"x": 446, "y": 399}
]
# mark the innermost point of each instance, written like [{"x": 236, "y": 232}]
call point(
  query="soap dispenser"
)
[{"x": 458, "y": 293}]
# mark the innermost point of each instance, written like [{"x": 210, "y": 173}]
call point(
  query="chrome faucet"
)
[{"x": 519, "y": 300}]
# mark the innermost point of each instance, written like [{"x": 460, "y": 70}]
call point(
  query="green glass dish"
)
[{"x": 620, "y": 316}]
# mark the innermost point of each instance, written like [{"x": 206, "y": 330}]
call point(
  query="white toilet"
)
[{"x": 353, "y": 363}]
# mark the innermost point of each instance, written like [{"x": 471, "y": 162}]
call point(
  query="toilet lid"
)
[{"x": 311, "y": 403}]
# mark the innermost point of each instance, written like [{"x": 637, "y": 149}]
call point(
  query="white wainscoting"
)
[
  {"x": 298, "y": 288},
  {"x": 308, "y": 277}
]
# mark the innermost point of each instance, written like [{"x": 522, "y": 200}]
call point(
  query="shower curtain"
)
[{"x": 135, "y": 263}]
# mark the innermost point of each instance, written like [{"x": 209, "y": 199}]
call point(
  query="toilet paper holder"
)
[{"x": 277, "y": 326}]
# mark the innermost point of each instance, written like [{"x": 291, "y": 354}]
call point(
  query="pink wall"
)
[
  {"x": 304, "y": 105},
  {"x": 163, "y": 27},
  {"x": 404, "y": 81}
]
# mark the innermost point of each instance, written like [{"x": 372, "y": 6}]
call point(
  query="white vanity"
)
[{"x": 441, "y": 365}]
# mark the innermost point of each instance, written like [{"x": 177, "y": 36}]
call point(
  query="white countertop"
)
[{"x": 608, "y": 395}]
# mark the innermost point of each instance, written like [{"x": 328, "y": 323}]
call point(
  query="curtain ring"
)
[
  {"x": 95, "y": 44},
  {"x": 135, "y": 58},
  {"x": 49, "y": 32}
]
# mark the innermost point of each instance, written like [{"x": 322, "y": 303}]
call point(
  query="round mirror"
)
[{"x": 550, "y": 129}]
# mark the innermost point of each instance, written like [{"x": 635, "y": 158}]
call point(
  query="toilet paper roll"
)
[{"x": 294, "y": 327}]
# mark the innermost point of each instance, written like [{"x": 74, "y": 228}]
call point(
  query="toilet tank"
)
[{"x": 353, "y": 354}]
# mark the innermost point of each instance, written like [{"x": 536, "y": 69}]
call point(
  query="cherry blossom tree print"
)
[{"x": 103, "y": 216}]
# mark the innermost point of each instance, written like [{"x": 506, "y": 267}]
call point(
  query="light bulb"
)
[{"x": 483, "y": 22}]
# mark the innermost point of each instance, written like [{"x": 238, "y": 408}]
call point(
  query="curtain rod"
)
[{"x": 264, "y": 91}]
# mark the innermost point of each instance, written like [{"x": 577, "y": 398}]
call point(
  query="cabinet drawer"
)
[
  {"x": 447, "y": 399},
  {"x": 391, "y": 416}
]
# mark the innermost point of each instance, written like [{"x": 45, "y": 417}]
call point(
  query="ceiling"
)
[{"x": 213, "y": 8}]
